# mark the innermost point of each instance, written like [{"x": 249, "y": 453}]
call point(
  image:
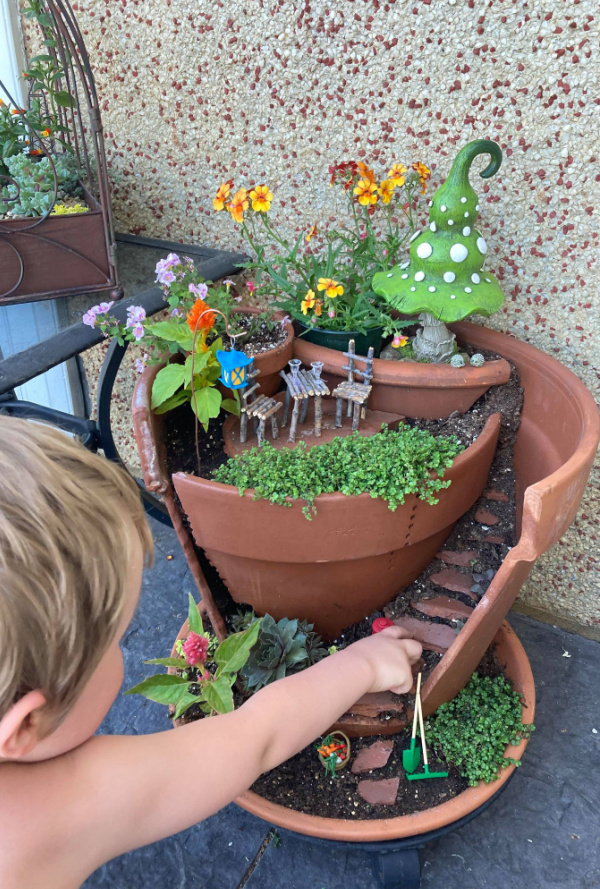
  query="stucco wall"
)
[{"x": 196, "y": 93}]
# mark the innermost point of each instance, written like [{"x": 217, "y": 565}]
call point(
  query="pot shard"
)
[{"x": 352, "y": 558}]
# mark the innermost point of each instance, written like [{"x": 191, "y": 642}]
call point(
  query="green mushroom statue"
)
[{"x": 444, "y": 280}]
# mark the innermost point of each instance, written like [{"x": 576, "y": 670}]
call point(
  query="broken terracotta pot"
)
[
  {"x": 509, "y": 652},
  {"x": 271, "y": 362},
  {"x": 430, "y": 391},
  {"x": 352, "y": 558}
]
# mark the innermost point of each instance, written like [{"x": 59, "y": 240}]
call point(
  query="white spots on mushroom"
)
[
  {"x": 458, "y": 252},
  {"x": 431, "y": 203},
  {"x": 449, "y": 277},
  {"x": 419, "y": 276},
  {"x": 452, "y": 296},
  {"x": 450, "y": 222},
  {"x": 489, "y": 280},
  {"x": 475, "y": 278},
  {"x": 467, "y": 289},
  {"x": 481, "y": 245},
  {"x": 443, "y": 208},
  {"x": 433, "y": 227},
  {"x": 424, "y": 250},
  {"x": 477, "y": 207},
  {"x": 466, "y": 215},
  {"x": 467, "y": 231},
  {"x": 404, "y": 276},
  {"x": 431, "y": 289},
  {"x": 463, "y": 200},
  {"x": 413, "y": 289},
  {"x": 405, "y": 265},
  {"x": 416, "y": 235},
  {"x": 390, "y": 275}
]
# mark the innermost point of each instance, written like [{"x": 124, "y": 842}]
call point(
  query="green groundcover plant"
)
[
  {"x": 474, "y": 730},
  {"x": 390, "y": 465}
]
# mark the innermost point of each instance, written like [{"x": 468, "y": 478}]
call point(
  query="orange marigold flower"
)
[
  {"x": 238, "y": 205},
  {"x": 222, "y": 195},
  {"x": 318, "y": 308},
  {"x": 365, "y": 172},
  {"x": 366, "y": 192},
  {"x": 396, "y": 174},
  {"x": 312, "y": 232},
  {"x": 206, "y": 322},
  {"x": 308, "y": 302},
  {"x": 386, "y": 190},
  {"x": 261, "y": 198},
  {"x": 332, "y": 288},
  {"x": 424, "y": 174}
]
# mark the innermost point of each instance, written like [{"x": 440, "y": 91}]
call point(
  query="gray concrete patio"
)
[{"x": 543, "y": 832}]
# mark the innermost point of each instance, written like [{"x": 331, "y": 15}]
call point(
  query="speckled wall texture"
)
[{"x": 195, "y": 92}]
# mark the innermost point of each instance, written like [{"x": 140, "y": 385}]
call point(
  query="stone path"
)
[{"x": 542, "y": 833}]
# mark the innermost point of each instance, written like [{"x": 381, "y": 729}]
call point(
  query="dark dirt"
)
[{"x": 265, "y": 336}]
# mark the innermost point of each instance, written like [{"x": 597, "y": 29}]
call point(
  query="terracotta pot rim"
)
[
  {"x": 488, "y": 431},
  {"x": 254, "y": 310},
  {"x": 364, "y": 831}
]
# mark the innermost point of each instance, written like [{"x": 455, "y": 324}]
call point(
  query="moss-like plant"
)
[
  {"x": 474, "y": 730},
  {"x": 390, "y": 465}
]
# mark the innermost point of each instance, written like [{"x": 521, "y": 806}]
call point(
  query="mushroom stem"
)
[{"x": 433, "y": 342}]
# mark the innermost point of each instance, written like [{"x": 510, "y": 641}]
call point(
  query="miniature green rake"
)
[{"x": 412, "y": 757}]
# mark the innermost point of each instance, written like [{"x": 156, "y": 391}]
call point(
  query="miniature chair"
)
[
  {"x": 356, "y": 393},
  {"x": 261, "y": 409},
  {"x": 302, "y": 385}
]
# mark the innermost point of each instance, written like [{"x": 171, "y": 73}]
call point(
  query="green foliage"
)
[
  {"x": 208, "y": 685},
  {"x": 390, "y": 465},
  {"x": 283, "y": 647},
  {"x": 37, "y": 182},
  {"x": 474, "y": 730}
]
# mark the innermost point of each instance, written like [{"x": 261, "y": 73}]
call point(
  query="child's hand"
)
[{"x": 390, "y": 655}]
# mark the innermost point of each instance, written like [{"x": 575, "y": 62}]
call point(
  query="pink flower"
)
[
  {"x": 137, "y": 331},
  {"x": 331, "y": 313},
  {"x": 195, "y": 649},
  {"x": 251, "y": 286},
  {"x": 140, "y": 363},
  {"x": 164, "y": 274},
  {"x": 135, "y": 315},
  {"x": 103, "y": 308},
  {"x": 199, "y": 289},
  {"x": 363, "y": 236},
  {"x": 90, "y": 317}
]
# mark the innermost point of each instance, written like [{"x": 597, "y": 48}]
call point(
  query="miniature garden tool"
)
[
  {"x": 426, "y": 773},
  {"x": 412, "y": 757}
]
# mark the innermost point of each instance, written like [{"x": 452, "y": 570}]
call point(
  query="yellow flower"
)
[
  {"x": 312, "y": 232},
  {"x": 46, "y": 132},
  {"x": 238, "y": 205},
  {"x": 261, "y": 198},
  {"x": 331, "y": 287},
  {"x": 386, "y": 190},
  {"x": 366, "y": 192},
  {"x": 396, "y": 174},
  {"x": 308, "y": 302},
  {"x": 222, "y": 195}
]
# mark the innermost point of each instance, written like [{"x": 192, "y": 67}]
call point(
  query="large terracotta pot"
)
[
  {"x": 271, "y": 362},
  {"x": 352, "y": 558},
  {"x": 430, "y": 391},
  {"x": 511, "y": 653}
]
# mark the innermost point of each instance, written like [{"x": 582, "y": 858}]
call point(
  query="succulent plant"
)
[
  {"x": 283, "y": 647},
  {"x": 36, "y": 183}
]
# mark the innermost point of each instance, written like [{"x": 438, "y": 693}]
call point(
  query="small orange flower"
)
[
  {"x": 386, "y": 190},
  {"x": 46, "y": 132},
  {"x": 206, "y": 322},
  {"x": 312, "y": 232},
  {"x": 332, "y": 288},
  {"x": 365, "y": 172},
  {"x": 222, "y": 195},
  {"x": 239, "y": 205},
  {"x": 366, "y": 192},
  {"x": 318, "y": 308},
  {"x": 424, "y": 174},
  {"x": 396, "y": 174},
  {"x": 35, "y": 151},
  {"x": 261, "y": 198},
  {"x": 308, "y": 302}
]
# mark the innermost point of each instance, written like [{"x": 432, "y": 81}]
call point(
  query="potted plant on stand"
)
[{"x": 327, "y": 290}]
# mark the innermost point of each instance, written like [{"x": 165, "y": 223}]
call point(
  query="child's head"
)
[{"x": 68, "y": 541}]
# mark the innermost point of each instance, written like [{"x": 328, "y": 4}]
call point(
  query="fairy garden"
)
[{"x": 321, "y": 492}]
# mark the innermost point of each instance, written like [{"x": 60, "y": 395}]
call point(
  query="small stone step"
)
[
  {"x": 454, "y": 581},
  {"x": 463, "y": 559},
  {"x": 434, "y": 637},
  {"x": 494, "y": 538},
  {"x": 375, "y": 703},
  {"x": 375, "y": 756},
  {"x": 485, "y": 517},
  {"x": 444, "y": 607},
  {"x": 498, "y": 496},
  {"x": 379, "y": 793}
]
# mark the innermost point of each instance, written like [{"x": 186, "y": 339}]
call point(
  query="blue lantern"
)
[{"x": 233, "y": 368}]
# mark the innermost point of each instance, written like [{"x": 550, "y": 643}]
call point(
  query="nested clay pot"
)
[
  {"x": 271, "y": 362},
  {"x": 413, "y": 389}
]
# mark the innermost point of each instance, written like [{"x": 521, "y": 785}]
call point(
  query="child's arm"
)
[{"x": 143, "y": 788}]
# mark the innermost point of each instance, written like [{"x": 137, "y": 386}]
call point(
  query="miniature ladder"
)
[
  {"x": 355, "y": 393},
  {"x": 261, "y": 409},
  {"x": 302, "y": 385}
]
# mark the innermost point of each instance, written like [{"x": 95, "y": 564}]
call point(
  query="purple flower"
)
[
  {"x": 90, "y": 317},
  {"x": 164, "y": 274},
  {"x": 285, "y": 320},
  {"x": 228, "y": 283},
  {"x": 167, "y": 277},
  {"x": 135, "y": 315},
  {"x": 199, "y": 289},
  {"x": 103, "y": 308},
  {"x": 137, "y": 331},
  {"x": 140, "y": 363},
  {"x": 176, "y": 313}
]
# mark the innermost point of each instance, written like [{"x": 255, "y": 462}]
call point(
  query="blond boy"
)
[{"x": 73, "y": 541}]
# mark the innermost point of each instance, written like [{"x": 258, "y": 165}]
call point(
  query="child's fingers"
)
[
  {"x": 395, "y": 632},
  {"x": 413, "y": 649}
]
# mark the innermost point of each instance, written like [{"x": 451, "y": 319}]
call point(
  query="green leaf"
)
[
  {"x": 166, "y": 383},
  {"x": 184, "y": 703},
  {"x": 218, "y": 695},
  {"x": 163, "y": 688},
  {"x": 231, "y": 405},
  {"x": 174, "y": 401},
  {"x": 64, "y": 99},
  {"x": 195, "y": 624},
  {"x": 233, "y": 652},
  {"x": 206, "y": 404},
  {"x": 178, "y": 662},
  {"x": 172, "y": 332}
]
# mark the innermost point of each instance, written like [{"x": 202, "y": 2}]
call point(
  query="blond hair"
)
[{"x": 65, "y": 544}]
